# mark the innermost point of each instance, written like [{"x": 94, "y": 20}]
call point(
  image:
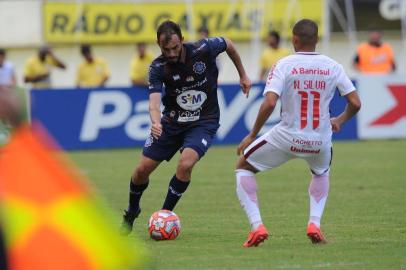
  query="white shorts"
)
[{"x": 264, "y": 155}]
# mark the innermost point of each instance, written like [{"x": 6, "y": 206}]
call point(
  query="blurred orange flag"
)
[{"x": 50, "y": 219}]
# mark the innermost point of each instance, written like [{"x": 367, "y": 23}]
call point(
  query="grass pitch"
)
[{"x": 364, "y": 221}]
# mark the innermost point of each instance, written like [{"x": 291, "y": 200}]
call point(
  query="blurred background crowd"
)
[{"x": 80, "y": 43}]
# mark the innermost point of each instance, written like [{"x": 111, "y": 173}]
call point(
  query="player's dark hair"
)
[
  {"x": 307, "y": 31},
  {"x": 85, "y": 49},
  {"x": 168, "y": 28},
  {"x": 2, "y": 51},
  {"x": 275, "y": 35}
]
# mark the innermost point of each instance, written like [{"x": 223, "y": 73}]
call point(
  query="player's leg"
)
[
  {"x": 259, "y": 156},
  {"x": 155, "y": 150},
  {"x": 247, "y": 195},
  {"x": 138, "y": 184},
  {"x": 180, "y": 181},
  {"x": 196, "y": 142},
  {"x": 318, "y": 193},
  {"x": 140, "y": 180}
]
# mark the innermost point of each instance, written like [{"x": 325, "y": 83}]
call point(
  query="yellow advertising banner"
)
[{"x": 125, "y": 22}]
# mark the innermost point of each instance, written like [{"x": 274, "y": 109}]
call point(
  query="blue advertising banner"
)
[{"x": 118, "y": 117}]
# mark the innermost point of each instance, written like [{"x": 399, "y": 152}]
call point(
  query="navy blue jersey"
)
[{"x": 189, "y": 89}]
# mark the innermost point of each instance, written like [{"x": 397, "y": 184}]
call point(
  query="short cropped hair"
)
[
  {"x": 307, "y": 31},
  {"x": 275, "y": 35},
  {"x": 85, "y": 49},
  {"x": 204, "y": 29},
  {"x": 2, "y": 51},
  {"x": 168, "y": 28}
]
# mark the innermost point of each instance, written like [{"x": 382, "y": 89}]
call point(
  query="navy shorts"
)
[{"x": 197, "y": 135}]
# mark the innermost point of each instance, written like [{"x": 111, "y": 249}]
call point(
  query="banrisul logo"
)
[
  {"x": 191, "y": 100},
  {"x": 199, "y": 67}
]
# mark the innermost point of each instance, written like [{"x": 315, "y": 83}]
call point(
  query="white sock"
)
[
  {"x": 247, "y": 194},
  {"x": 318, "y": 193}
]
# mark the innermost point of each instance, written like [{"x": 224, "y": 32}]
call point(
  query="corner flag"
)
[{"x": 50, "y": 218}]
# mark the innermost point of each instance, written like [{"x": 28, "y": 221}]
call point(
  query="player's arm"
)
[
  {"x": 392, "y": 57},
  {"x": 351, "y": 109},
  {"x": 355, "y": 62},
  {"x": 30, "y": 74},
  {"x": 245, "y": 82},
  {"x": 106, "y": 73},
  {"x": 104, "y": 80},
  {"x": 266, "y": 109},
  {"x": 155, "y": 94},
  {"x": 56, "y": 61},
  {"x": 37, "y": 78},
  {"x": 155, "y": 114}
]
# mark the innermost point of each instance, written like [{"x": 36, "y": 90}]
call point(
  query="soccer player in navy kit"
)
[{"x": 184, "y": 77}]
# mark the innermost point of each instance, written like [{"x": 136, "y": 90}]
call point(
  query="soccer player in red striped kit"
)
[{"x": 305, "y": 84}]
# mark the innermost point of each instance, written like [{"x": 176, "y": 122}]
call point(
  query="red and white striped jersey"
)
[{"x": 305, "y": 83}]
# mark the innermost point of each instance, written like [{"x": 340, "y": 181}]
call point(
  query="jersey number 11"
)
[{"x": 303, "y": 108}]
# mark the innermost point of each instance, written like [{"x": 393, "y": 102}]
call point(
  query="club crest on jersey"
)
[
  {"x": 191, "y": 100},
  {"x": 176, "y": 77},
  {"x": 199, "y": 67}
]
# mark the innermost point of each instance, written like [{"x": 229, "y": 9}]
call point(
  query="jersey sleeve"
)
[
  {"x": 216, "y": 46},
  {"x": 28, "y": 69},
  {"x": 155, "y": 81},
  {"x": 275, "y": 81},
  {"x": 344, "y": 84}
]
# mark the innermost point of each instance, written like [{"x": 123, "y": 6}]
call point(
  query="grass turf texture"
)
[{"x": 364, "y": 222}]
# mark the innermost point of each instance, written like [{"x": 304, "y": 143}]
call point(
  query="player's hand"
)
[
  {"x": 335, "y": 124},
  {"x": 245, "y": 84},
  {"x": 244, "y": 143},
  {"x": 156, "y": 130}
]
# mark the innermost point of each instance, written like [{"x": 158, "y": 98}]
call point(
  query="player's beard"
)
[{"x": 175, "y": 59}]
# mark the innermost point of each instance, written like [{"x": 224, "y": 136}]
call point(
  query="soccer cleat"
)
[
  {"x": 256, "y": 237},
  {"x": 315, "y": 235},
  {"x": 128, "y": 221}
]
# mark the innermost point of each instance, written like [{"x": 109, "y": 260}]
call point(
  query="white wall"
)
[{"x": 20, "y": 23}]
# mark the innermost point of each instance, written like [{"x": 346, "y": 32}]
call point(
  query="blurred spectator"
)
[
  {"x": 7, "y": 74},
  {"x": 93, "y": 71},
  {"x": 374, "y": 57},
  {"x": 10, "y": 112},
  {"x": 37, "y": 70},
  {"x": 271, "y": 54},
  {"x": 140, "y": 65},
  {"x": 203, "y": 32}
]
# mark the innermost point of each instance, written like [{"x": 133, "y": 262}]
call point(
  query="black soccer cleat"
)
[{"x": 128, "y": 221}]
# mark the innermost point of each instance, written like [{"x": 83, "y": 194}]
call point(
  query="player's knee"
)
[
  {"x": 185, "y": 165},
  {"x": 320, "y": 173},
  {"x": 242, "y": 164},
  {"x": 141, "y": 172}
]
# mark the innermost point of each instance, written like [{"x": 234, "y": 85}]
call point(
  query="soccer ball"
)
[{"x": 164, "y": 225}]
